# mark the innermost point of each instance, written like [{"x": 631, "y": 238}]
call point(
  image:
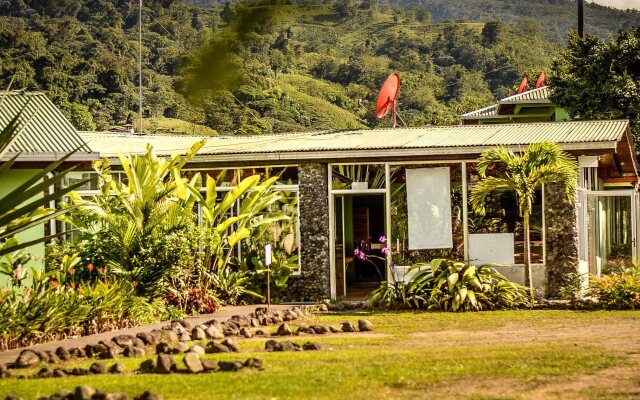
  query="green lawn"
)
[{"x": 492, "y": 355}]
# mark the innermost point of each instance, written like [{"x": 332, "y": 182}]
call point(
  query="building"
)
[{"x": 407, "y": 189}]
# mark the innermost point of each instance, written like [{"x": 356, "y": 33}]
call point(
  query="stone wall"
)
[
  {"x": 562, "y": 238},
  {"x": 314, "y": 282}
]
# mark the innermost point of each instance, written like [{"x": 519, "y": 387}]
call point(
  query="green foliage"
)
[
  {"x": 594, "y": 79},
  {"x": 523, "y": 174},
  {"x": 23, "y": 208},
  {"x": 450, "y": 286},
  {"x": 49, "y": 309},
  {"x": 619, "y": 290},
  {"x": 572, "y": 287}
]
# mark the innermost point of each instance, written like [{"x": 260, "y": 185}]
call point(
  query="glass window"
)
[
  {"x": 358, "y": 177},
  {"x": 401, "y": 255},
  {"x": 287, "y": 175},
  {"x": 502, "y": 215}
]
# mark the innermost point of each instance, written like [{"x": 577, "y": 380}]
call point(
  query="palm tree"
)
[{"x": 523, "y": 173}]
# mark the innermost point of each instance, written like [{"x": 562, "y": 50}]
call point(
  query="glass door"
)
[
  {"x": 339, "y": 246},
  {"x": 613, "y": 230}
]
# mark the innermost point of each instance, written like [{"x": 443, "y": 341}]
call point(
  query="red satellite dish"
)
[
  {"x": 523, "y": 85},
  {"x": 387, "y": 97},
  {"x": 541, "y": 79}
]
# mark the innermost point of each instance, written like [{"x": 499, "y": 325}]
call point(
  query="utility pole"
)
[
  {"x": 140, "y": 68},
  {"x": 581, "y": 19}
]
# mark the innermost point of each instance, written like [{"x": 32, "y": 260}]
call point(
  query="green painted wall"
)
[{"x": 17, "y": 177}]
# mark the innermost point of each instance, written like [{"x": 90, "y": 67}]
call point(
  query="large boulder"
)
[
  {"x": 192, "y": 362},
  {"x": 147, "y": 338},
  {"x": 98, "y": 367},
  {"x": 231, "y": 344},
  {"x": 214, "y": 332},
  {"x": 365, "y": 325},
  {"x": 165, "y": 364},
  {"x": 284, "y": 330},
  {"x": 63, "y": 354},
  {"x": 27, "y": 358},
  {"x": 348, "y": 327},
  {"x": 198, "y": 334},
  {"x": 214, "y": 347},
  {"x": 83, "y": 393},
  {"x": 230, "y": 365}
]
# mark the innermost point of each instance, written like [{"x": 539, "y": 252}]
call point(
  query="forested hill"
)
[
  {"x": 294, "y": 67},
  {"x": 555, "y": 17}
]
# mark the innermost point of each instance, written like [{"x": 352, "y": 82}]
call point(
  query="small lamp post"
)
[{"x": 267, "y": 262}]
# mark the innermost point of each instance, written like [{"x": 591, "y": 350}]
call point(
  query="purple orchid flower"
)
[
  {"x": 359, "y": 253},
  {"x": 385, "y": 251},
  {"x": 382, "y": 239}
]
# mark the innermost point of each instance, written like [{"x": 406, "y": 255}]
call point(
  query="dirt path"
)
[{"x": 226, "y": 313}]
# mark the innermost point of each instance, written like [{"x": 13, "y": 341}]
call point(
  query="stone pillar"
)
[
  {"x": 561, "y": 238},
  {"x": 313, "y": 284}
]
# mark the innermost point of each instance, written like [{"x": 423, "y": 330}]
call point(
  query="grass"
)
[
  {"x": 410, "y": 355},
  {"x": 177, "y": 126}
]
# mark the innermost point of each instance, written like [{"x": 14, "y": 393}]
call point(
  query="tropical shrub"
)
[
  {"x": 52, "y": 308},
  {"x": 451, "y": 286},
  {"x": 618, "y": 290}
]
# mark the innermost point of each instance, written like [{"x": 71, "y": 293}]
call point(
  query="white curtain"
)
[{"x": 429, "y": 208}]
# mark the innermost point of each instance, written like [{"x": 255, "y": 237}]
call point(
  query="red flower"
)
[
  {"x": 90, "y": 267},
  {"x": 72, "y": 271}
]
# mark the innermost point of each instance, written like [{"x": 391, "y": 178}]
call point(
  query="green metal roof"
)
[
  {"x": 45, "y": 133},
  {"x": 370, "y": 143}
]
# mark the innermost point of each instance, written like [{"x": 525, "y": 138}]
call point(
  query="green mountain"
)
[{"x": 256, "y": 69}]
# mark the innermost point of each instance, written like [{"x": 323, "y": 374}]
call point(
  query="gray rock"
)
[
  {"x": 63, "y": 353},
  {"x": 264, "y": 321},
  {"x": 117, "y": 368},
  {"x": 52, "y": 357},
  {"x": 147, "y": 366},
  {"x": 109, "y": 354},
  {"x": 320, "y": 330},
  {"x": 44, "y": 373},
  {"x": 180, "y": 348},
  {"x": 163, "y": 348},
  {"x": 178, "y": 328},
  {"x": 270, "y": 345},
  {"x": 83, "y": 393},
  {"x": 169, "y": 336},
  {"x": 230, "y": 365},
  {"x": 98, "y": 367},
  {"x": 185, "y": 337},
  {"x": 146, "y": 338},
  {"x": 149, "y": 396},
  {"x": 255, "y": 322},
  {"x": 305, "y": 330},
  {"x": 246, "y": 333},
  {"x": 186, "y": 324},
  {"x": 110, "y": 396},
  {"x": 365, "y": 325},
  {"x": 335, "y": 329},
  {"x": 198, "y": 334},
  {"x": 61, "y": 395},
  {"x": 213, "y": 332},
  {"x": 80, "y": 371},
  {"x": 209, "y": 365},
  {"x": 253, "y": 363},
  {"x": 59, "y": 373},
  {"x": 348, "y": 327},
  {"x": 214, "y": 347},
  {"x": 284, "y": 330},
  {"x": 276, "y": 319},
  {"x": 197, "y": 349},
  {"x": 192, "y": 362},
  {"x": 132, "y": 352},
  {"x": 77, "y": 352},
  {"x": 27, "y": 358},
  {"x": 165, "y": 364},
  {"x": 231, "y": 345},
  {"x": 312, "y": 346},
  {"x": 5, "y": 373},
  {"x": 213, "y": 322},
  {"x": 123, "y": 340},
  {"x": 259, "y": 332}
]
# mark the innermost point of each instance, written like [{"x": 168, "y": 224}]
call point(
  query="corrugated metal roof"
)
[
  {"x": 45, "y": 130},
  {"x": 578, "y": 134},
  {"x": 540, "y": 95},
  {"x": 491, "y": 111}
]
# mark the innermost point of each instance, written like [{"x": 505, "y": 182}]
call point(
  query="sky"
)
[{"x": 624, "y": 4}]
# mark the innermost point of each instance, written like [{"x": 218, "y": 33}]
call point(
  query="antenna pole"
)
[
  {"x": 581, "y": 19},
  {"x": 140, "y": 67}
]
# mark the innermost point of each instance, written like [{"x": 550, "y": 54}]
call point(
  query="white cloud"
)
[{"x": 623, "y": 4}]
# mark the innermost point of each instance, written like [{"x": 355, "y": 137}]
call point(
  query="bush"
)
[
  {"x": 50, "y": 310},
  {"x": 619, "y": 290},
  {"x": 451, "y": 286}
]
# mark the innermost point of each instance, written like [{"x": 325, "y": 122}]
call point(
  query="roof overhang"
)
[{"x": 50, "y": 157}]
